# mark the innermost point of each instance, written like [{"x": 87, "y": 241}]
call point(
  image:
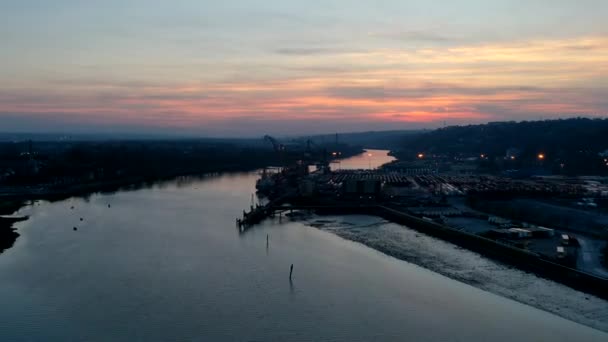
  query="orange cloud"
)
[{"x": 477, "y": 82}]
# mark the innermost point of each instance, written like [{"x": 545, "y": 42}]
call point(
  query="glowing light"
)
[
  {"x": 420, "y": 155},
  {"x": 541, "y": 156}
]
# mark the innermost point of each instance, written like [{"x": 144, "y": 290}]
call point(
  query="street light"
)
[
  {"x": 420, "y": 155},
  {"x": 541, "y": 156}
]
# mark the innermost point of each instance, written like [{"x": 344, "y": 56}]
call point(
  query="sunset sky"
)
[{"x": 244, "y": 68}]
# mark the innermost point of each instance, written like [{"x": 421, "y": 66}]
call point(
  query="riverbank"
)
[
  {"x": 510, "y": 255},
  {"x": 15, "y": 200},
  {"x": 59, "y": 192},
  {"x": 8, "y": 234},
  {"x": 11, "y": 202},
  {"x": 12, "y": 198},
  {"x": 404, "y": 243}
]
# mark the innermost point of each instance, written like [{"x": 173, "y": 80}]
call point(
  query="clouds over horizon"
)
[{"x": 350, "y": 74}]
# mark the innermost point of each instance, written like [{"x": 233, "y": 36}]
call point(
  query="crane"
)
[
  {"x": 278, "y": 147},
  {"x": 321, "y": 164}
]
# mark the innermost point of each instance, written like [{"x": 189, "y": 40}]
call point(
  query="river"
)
[
  {"x": 368, "y": 160},
  {"x": 166, "y": 263}
]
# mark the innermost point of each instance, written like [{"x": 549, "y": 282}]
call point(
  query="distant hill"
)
[
  {"x": 496, "y": 137},
  {"x": 577, "y": 143},
  {"x": 373, "y": 139}
]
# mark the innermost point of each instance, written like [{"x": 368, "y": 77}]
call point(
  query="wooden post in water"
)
[
  {"x": 266, "y": 240},
  {"x": 290, "y": 271}
]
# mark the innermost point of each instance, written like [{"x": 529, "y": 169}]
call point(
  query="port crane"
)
[
  {"x": 278, "y": 147},
  {"x": 322, "y": 163},
  {"x": 310, "y": 154}
]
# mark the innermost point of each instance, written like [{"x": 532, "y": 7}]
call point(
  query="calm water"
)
[
  {"x": 167, "y": 264},
  {"x": 371, "y": 159}
]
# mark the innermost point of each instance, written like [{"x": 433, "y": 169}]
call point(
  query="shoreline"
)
[
  {"x": 507, "y": 254},
  {"x": 472, "y": 268},
  {"x": 8, "y": 233},
  {"x": 10, "y": 204}
]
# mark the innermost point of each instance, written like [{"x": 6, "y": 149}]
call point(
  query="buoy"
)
[
  {"x": 81, "y": 219},
  {"x": 108, "y": 206},
  {"x": 75, "y": 228}
]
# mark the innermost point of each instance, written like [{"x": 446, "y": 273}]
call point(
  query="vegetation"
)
[
  {"x": 56, "y": 163},
  {"x": 68, "y": 167},
  {"x": 569, "y": 146}
]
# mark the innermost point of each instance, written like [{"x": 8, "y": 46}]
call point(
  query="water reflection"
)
[
  {"x": 179, "y": 182},
  {"x": 369, "y": 160}
]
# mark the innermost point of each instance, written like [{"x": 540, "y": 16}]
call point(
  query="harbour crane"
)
[
  {"x": 322, "y": 163},
  {"x": 278, "y": 147}
]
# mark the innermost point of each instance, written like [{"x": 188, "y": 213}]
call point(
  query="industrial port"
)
[{"x": 563, "y": 239}]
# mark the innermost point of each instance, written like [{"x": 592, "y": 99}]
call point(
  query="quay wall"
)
[{"x": 522, "y": 259}]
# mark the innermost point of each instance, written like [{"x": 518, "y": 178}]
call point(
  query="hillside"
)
[{"x": 576, "y": 143}]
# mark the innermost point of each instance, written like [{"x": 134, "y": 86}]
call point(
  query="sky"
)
[{"x": 248, "y": 67}]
